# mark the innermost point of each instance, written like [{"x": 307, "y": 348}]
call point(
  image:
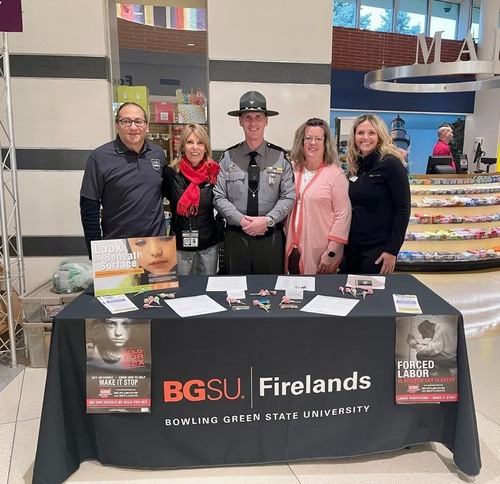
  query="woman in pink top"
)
[{"x": 318, "y": 226}]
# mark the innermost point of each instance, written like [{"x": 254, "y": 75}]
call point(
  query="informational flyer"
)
[
  {"x": 118, "y": 365},
  {"x": 334, "y": 306},
  {"x": 195, "y": 306},
  {"x": 117, "y": 304},
  {"x": 365, "y": 282},
  {"x": 426, "y": 359},
  {"x": 129, "y": 265},
  {"x": 406, "y": 303}
]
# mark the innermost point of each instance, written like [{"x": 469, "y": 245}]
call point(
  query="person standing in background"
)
[
  {"x": 255, "y": 191},
  {"x": 380, "y": 197},
  {"x": 188, "y": 185},
  {"x": 318, "y": 225},
  {"x": 442, "y": 146},
  {"x": 124, "y": 177}
]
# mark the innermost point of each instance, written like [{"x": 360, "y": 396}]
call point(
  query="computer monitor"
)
[
  {"x": 439, "y": 165},
  {"x": 477, "y": 156}
]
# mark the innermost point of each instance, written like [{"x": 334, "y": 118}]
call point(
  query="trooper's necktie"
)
[{"x": 253, "y": 186}]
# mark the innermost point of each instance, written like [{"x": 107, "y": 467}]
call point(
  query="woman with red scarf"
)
[{"x": 188, "y": 185}]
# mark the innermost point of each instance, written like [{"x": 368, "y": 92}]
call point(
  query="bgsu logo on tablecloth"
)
[{"x": 199, "y": 390}]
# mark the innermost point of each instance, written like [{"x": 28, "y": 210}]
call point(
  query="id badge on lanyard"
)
[{"x": 190, "y": 238}]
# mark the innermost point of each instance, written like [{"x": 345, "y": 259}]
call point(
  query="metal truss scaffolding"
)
[{"x": 12, "y": 277}]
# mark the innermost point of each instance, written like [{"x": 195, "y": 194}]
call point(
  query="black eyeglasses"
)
[{"x": 128, "y": 122}]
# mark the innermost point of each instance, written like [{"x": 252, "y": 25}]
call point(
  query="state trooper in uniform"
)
[{"x": 255, "y": 191}]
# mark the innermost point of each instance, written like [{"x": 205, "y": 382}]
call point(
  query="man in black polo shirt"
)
[{"x": 124, "y": 176}]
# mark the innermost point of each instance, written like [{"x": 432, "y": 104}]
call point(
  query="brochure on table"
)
[{"x": 130, "y": 265}]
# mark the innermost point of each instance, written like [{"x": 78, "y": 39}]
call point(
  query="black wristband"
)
[{"x": 331, "y": 254}]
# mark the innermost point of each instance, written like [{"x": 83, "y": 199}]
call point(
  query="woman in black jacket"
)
[
  {"x": 380, "y": 197},
  {"x": 188, "y": 185}
]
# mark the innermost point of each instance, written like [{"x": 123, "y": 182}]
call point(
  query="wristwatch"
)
[
  {"x": 270, "y": 222},
  {"x": 331, "y": 254}
]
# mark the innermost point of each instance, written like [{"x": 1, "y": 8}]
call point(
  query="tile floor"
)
[{"x": 477, "y": 295}]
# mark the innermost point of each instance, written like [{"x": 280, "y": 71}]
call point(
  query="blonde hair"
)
[
  {"x": 330, "y": 156},
  {"x": 201, "y": 134},
  {"x": 385, "y": 145}
]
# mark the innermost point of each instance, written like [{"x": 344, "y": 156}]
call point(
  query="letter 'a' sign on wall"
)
[{"x": 11, "y": 18}]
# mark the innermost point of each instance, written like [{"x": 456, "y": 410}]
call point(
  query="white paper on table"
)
[
  {"x": 236, "y": 294},
  {"x": 294, "y": 293},
  {"x": 283, "y": 283},
  {"x": 334, "y": 306},
  {"x": 221, "y": 283},
  {"x": 118, "y": 303},
  {"x": 365, "y": 282},
  {"x": 406, "y": 303},
  {"x": 195, "y": 306}
]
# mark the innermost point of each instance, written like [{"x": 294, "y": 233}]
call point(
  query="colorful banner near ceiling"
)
[
  {"x": 11, "y": 17},
  {"x": 165, "y": 17}
]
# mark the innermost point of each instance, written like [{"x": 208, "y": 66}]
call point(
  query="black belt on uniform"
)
[{"x": 270, "y": 230}]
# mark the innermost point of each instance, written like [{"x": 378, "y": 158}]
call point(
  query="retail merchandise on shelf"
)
[
  {"x": 454, "y": 223},
  {"x": 167, "y": 136}
]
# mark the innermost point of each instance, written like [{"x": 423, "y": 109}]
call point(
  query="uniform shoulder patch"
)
[
  {"x": 228, "y": 149},
  {"x": 275, "y": 147},
  {"x": 279, "y": 148},
  {"x": 235, "y": 146}
]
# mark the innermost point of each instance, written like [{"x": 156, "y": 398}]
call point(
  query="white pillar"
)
[
  {"x": 281, "y": 48},
  {"x": 62, "y": 109},
  {"x": 485, "y": 123}
]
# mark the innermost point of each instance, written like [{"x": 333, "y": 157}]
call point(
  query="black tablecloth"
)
[{"x": 226, "y": 417}]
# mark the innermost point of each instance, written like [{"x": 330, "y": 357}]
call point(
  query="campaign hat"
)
[{"x": 253, "y": 101}]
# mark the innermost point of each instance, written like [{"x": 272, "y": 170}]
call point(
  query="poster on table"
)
[
  {"x": 118, "y": 365},
  {"x": 122, "y": 266},
  {"x": 426, "y": 359}
]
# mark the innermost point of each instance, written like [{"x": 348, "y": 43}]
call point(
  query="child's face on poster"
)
[
  {"x": 156, "y": 254},
  {"x": 118, "y": 331}
]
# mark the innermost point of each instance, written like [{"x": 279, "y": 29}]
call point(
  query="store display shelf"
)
[
  {"x": 454, "y": 223},
  {"x": 448, "y": 220},
  {"x": 459, "y": 190},
  {"x": 455, "y": 202},
  {"x": 447, "y": 265},
  {"x": 454, "y": 234},
  {"x": 454, "y": 179}
]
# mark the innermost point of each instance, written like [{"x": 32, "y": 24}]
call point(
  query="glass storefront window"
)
[
  {"x": 377, "y": 14},
  {"x": 474, "y": 26},
  {"x": 444, "y": 17},
  {"x": 344, "y": 13},
  {"x": 411, "y": 18}
]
